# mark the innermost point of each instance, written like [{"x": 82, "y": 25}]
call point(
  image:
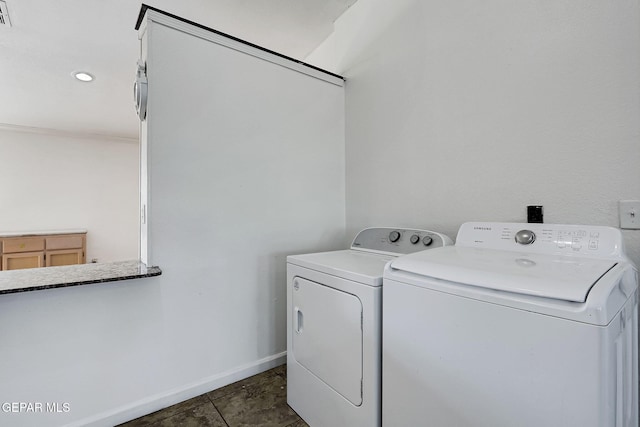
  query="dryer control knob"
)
[
  {"x": 394, "y": 236},
  {"x": 414, "y": 239},
  {"x": 427, "y": 240},
  {"x": 525, "y": 237}
]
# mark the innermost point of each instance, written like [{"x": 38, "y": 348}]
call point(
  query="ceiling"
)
[{"x": 48, "y": 40}]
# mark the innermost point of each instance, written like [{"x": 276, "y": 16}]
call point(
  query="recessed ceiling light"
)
[{"x": 83, "y": 76}]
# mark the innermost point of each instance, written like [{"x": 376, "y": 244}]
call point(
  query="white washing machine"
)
[
  {"x": 522, "y": 325},
  {"x": 333, "y": 321}
]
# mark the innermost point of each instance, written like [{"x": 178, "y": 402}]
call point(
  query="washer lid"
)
[{"x": 558, "y": 277}]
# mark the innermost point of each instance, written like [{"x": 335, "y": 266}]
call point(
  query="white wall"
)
[
  {"x": 245, "y": 166},
  {"x": 467, "y": 110},
  {"x": 55, "y": 181}
]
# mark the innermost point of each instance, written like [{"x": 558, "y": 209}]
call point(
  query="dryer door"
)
[{"x": 327, "y": 336}]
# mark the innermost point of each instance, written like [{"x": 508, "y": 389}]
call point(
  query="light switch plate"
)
[{"x": 629, "y": 214}]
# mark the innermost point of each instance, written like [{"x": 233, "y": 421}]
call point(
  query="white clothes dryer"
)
[
  {"x": 523, "y": 325},
  {"x": 333, "y": 326}
]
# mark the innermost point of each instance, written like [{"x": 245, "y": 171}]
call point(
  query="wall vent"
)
[{"x": 4, "y": 15}]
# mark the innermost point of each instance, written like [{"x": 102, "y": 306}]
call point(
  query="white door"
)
[{"x": 327, "y": 336}]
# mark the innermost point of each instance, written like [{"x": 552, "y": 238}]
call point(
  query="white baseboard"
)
[{"x": 177, "y": 395}]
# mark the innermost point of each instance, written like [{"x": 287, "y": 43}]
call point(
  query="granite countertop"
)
[
  {"x": 42, "y": 232},
  {"x": 34, "y": 279}
]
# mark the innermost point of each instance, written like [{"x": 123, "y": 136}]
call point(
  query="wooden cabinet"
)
[
  {"x": 21, "y": 260},
  {"x": 64, "y": 257},
  {"x": 22, "y": 244},
  {"x": 20, "y": 252}
]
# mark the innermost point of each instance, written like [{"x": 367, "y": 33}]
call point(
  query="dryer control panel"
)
[
  {"x": 398, "y": 241},
  {"x": 583, "y": 240}
]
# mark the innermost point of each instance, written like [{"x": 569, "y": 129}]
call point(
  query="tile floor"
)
[{"x": 260, "y": 400}]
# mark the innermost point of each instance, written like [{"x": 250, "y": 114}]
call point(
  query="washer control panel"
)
[
  {"x": 398, "y": 240},
  {"x": 587, "y": 240}
]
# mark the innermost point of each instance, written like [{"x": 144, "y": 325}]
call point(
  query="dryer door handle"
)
[{"x": 298, "y": 318}]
